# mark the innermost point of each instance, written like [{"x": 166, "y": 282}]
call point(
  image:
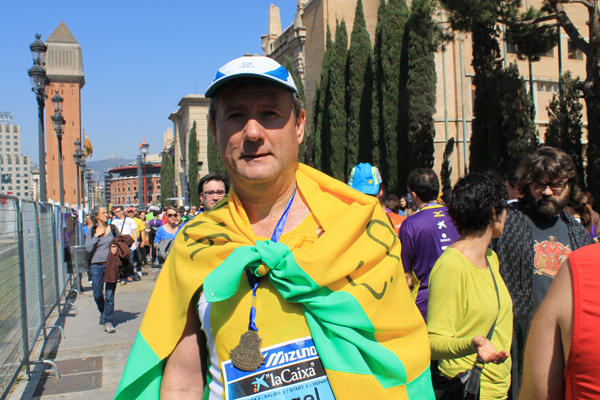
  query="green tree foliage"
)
[
  {"x": 464, "y": 13},
  {"x": 336, "y": 105},
  {"x": 503, "y": 131},
  {"x": 289, "y": 65},
  {"x": 389, "y": 133},
  {"x": 214, "y": 161},
  {"x": 565, "y": 127},
  {"x": 193, "y": 167},
  {"x": 360, "y": 93},
  {"x": 320, "y": 111},
  {"x": 167, "y": 174},
  {"x": 423, "y": 40},
  {"x": 446, "y": 172}
]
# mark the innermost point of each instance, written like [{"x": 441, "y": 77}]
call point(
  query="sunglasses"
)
[{"x": 171, "y": 215}]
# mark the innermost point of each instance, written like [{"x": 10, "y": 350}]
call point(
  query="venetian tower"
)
[{"x": 64, "y": 68}]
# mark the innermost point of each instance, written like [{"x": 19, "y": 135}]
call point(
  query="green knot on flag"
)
[{"x": 224, "y": 281}]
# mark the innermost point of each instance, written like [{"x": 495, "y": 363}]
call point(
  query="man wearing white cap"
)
[{"x": 291, "y": 286}]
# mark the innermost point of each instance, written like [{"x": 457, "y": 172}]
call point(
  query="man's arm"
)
[
  {"x": 549, "y": 341},
  {"x": 185, "y": 371}
]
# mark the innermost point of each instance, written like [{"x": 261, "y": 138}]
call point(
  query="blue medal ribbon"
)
[{"x": 254, "y": 280}]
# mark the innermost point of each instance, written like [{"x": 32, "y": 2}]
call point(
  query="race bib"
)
[{"x": 292, "y": 371}]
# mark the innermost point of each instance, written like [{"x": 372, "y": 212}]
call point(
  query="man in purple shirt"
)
[{"x": 425, "y": 234}]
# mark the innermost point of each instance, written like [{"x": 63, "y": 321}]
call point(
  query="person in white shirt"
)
[{"x": 126, "y": 226}]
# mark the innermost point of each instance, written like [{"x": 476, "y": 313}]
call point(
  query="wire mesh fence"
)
[{"x": 33, "y": 277}]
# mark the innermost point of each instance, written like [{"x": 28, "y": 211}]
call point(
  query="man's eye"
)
[{"x": 235, "y": 116}]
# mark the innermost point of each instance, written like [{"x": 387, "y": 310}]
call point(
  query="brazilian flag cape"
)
[{"x": 350, "y": 282}]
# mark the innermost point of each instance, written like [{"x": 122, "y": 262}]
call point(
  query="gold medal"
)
[{"x": 246, "y": 356}]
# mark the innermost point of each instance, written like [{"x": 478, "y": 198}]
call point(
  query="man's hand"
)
[
  {"x": 113, "y": 249},
  {"x": 487, "y": 352},
  {"x": 408, "y": 279}
]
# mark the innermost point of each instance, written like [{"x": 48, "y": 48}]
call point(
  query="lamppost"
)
[
  {"x": 77, "y": 156},
  {"x": 88, "y": 177},
  {"x": 39, "y": 85},
  {"x": 59, "y": 123},
  {"x": 145, "y": 148}
]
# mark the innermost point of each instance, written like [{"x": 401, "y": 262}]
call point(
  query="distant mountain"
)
[{"x": 99, "y": 167}]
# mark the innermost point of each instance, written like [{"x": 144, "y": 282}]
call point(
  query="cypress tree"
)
[
  {"x": 302, "y": 150},
  {"x": 360, "y": 93},
  {"x": 376, "y": 115},
  {"x": 446, "y": 171},
  {"x": 486, "y": 61},
  {"x": 388, "y": 87},
  {"x": 166, "y": 179},
  {"x": 421, "y": 85},
  {"x": 337, "y": 105},
  {"x": 565, "y": 127},
  {"x": 193, "y": 167},
  {"x": 214, "y": 161},
  {"x": 592, "y": 97},
  {"x": 320, "y": 110},
  {"x": 503, "y": 130},
  {"x": 515, "y": 129}
]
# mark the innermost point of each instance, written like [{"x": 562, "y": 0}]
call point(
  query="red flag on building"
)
[{"x": 87, "y": 146}]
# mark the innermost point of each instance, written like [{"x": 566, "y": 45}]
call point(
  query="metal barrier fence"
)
[{"x": 34, "y": 238}]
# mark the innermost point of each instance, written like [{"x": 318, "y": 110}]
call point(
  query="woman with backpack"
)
[
  {"x": 166, "y": 233},
  {"x": 98, "y": 242}
]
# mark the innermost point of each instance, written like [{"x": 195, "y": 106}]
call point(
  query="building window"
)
[
  {"x": 25, "y": 181},
  {"x": 17, "y": 168},
  {"x": 9, "y": 169},
  {"x": 15, "y": 144},
  {"x": 134, "y": 188},
  {"x": 18, "y": 181},
  {"x": 15, "y": 137},
  {"x": 8, "y": 143},
  {"x": 25, "y": 187},
  {"x": 547, "y": 87},
  {"x": 574, "y": 52},
  {"x": 15, "y": 149},
  {"x": 549, "y": 53},
  {"x": 14, "y": 129},
  {"x": 7, "y": 136},
  {"x": 18, "y": 194},
  {"x": 511, "y": 48}
]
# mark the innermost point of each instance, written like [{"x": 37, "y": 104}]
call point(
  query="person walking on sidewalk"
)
[{"x": 97, "y": 243}]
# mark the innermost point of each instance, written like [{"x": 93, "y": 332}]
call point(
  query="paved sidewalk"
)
[{"x": 85, "y": 338}]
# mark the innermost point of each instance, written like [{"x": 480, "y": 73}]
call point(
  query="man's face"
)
[
  {"x": 119, "y": 213},
  {"x": 256, "y": 135},
  {"x": 548, "y": 202},
  {"x": 212, "y": 193}
]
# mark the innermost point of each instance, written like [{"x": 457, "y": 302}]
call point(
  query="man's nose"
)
[
  {"x": 548, "y": 191},
  {"x": 253, "y": 129}
]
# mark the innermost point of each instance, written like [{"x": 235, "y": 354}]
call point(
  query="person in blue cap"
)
[{"x": 366, "y": 179}]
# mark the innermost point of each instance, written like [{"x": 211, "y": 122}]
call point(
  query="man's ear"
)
[
  {"x": 213, "y": 132},
  {"x": 300, "y": 124}
]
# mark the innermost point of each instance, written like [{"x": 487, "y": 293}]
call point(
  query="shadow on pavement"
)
[{"x": 121, "y": 317}]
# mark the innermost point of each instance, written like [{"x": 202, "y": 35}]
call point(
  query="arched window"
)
[{"x": 158, "y": 187}]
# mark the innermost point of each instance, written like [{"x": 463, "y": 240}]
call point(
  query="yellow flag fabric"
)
[{"x": 358, "y": 256}]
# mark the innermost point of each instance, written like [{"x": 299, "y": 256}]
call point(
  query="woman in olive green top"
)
[{"x": 463, "y": 302}]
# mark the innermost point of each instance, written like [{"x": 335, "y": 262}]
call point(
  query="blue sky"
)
[{"x": 140, "y": 58}]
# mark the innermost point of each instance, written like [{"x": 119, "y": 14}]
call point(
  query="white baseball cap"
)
[{"x": 252, "y": 67}]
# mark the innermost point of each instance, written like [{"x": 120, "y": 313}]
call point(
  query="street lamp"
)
[
  {"x": 144, "y": 149},
  {"x": 77, "y": 159},
  {"x": 59, "y": 123},
  {"x": 88, "y": 177},
  {"x": 39, "y": 85}
]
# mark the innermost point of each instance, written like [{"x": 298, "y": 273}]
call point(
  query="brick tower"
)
[{"x": 64, "y": 68}]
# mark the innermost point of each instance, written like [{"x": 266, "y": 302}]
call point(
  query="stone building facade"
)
[
  {"x": 64, "y": 68},
  {"x": 304, "y": 42},
  {"x": 193, "y": 107}
]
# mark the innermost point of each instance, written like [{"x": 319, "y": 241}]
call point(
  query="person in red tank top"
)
[{"x": 562, "y": 353}]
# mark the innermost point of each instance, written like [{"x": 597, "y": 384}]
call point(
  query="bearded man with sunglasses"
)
[{"x": 539, "y": 235}]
